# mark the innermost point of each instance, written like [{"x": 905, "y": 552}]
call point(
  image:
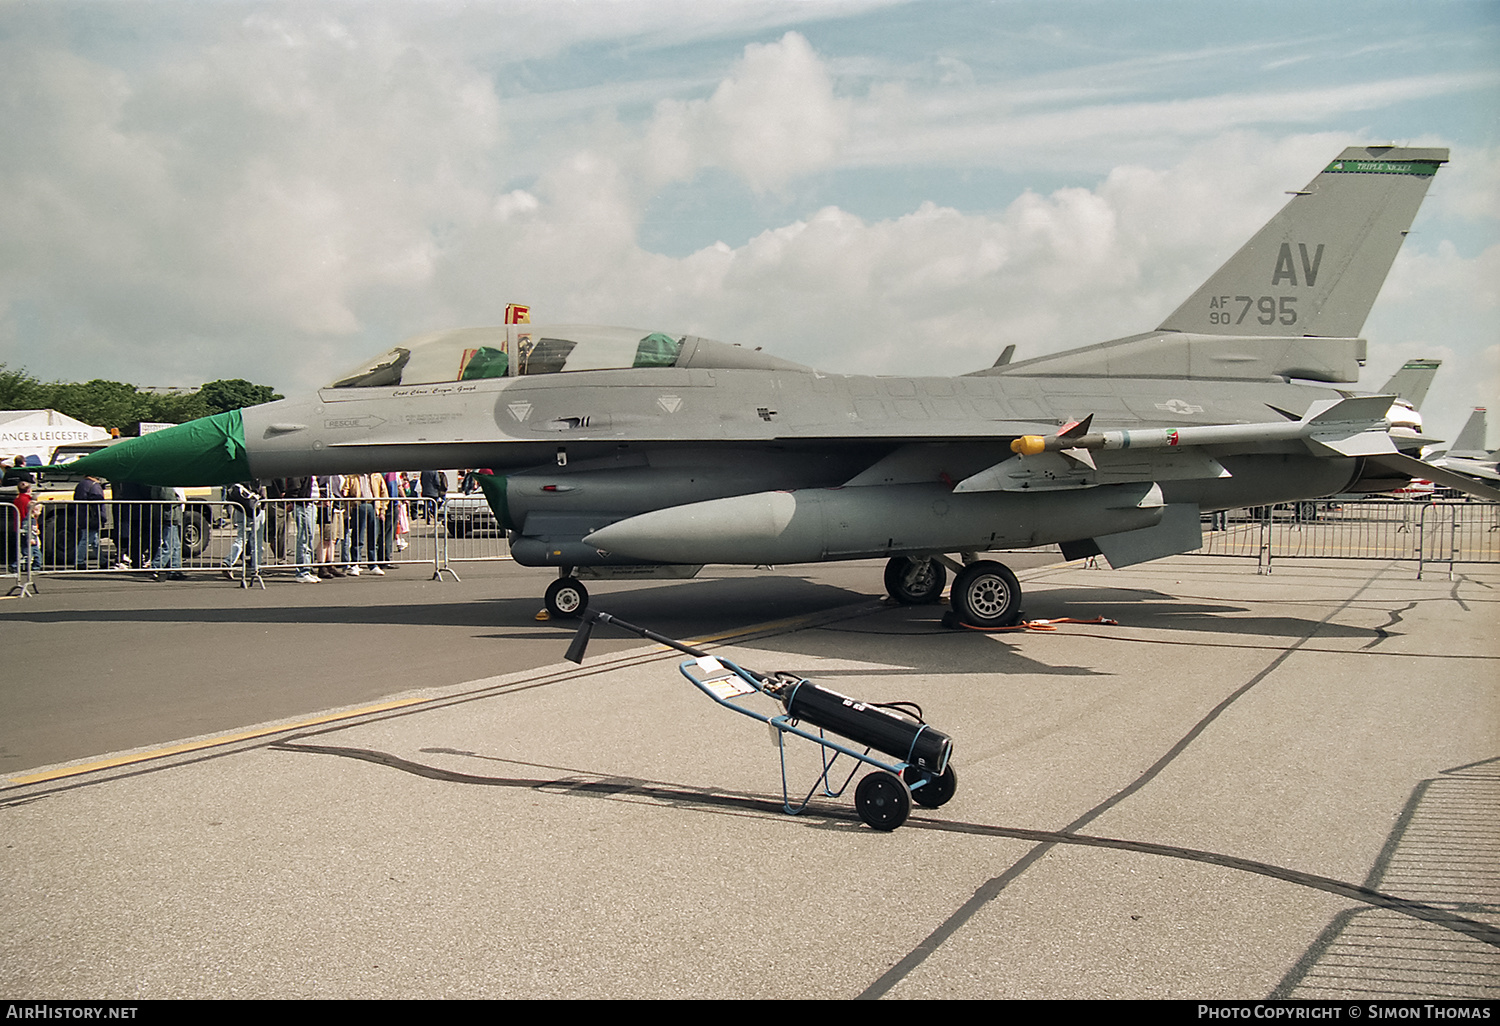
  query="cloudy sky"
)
[{"x": 191, "y": 191}]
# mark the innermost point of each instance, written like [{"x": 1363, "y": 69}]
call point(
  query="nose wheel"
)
[{"x": 566, "y": 597}]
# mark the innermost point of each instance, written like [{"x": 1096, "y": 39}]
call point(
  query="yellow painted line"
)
[
  {"x": 229, "y": 739},
  {"x": 770, "y": 625},
  {"x": 195, "y": 746}
]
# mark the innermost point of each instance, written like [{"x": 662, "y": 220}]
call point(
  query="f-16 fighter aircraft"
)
[
  {"x": 1468, "y": 456},
  {"x": 652, "y": 451}
]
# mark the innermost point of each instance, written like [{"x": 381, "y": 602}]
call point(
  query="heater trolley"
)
[{"x": 919, "y": 766}]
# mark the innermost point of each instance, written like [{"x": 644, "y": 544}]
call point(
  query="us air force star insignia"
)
[
  {"x": 520, "y": 411},
  {"x": 1180, "y": 407},
  {"x": 669, "y": 403}
]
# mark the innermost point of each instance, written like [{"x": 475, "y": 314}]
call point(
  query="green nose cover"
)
[{"x": 206, "y": 451}]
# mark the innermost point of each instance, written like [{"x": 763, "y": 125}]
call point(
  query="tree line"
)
[{"x": 121, "y": 407}]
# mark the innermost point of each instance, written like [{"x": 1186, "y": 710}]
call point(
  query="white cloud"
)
[
  {"x": 294, "y": 188},
  {"x": 773, "y": 119},
  {"x": 259, "y": 187},
  {"x": 1439, "y": 304}
]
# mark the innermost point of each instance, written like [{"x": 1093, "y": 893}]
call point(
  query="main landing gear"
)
[
  {"x": 915, "y": 582},
  {"x": 985, "y": 593}
]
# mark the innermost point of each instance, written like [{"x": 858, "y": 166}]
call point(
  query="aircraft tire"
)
[
  {"x": 987, "y": 594},
  {"x": 936, "y": 792},
  {"x": 883, "y": 800},
  {"x": 566, "y": 598},
  {"x": 915, "y": 582}
]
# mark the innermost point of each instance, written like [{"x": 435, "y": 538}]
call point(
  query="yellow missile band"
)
[{"x": 1029, "y": 445}]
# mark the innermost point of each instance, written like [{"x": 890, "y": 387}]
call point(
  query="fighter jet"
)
[
  {"x": 1409, "y": 385},
  {"x": 653, "y": 452},
  {"x": 1468, "y": 456}
]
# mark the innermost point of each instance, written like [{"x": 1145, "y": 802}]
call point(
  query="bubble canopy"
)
[{"x": 469, "y": 354}]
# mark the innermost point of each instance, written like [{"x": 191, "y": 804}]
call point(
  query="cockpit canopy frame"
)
[{"x": 471, "y": 354}]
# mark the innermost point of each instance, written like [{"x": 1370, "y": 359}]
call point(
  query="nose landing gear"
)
[{"x": 566, "y": 597}]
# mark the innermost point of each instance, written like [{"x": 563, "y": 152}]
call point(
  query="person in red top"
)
[{"x": 31, "y": 540}]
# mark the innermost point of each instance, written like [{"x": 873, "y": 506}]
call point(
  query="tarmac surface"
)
[{"x": 1248, "y": 787}]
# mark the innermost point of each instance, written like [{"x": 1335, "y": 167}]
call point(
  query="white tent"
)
[{"x": 37, "y": 432}]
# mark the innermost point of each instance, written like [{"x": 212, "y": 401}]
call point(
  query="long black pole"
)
[{"x": 590, "y": 618}]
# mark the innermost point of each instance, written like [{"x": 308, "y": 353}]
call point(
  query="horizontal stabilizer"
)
[
  {"x": 1482, "y": 469},
  {"x": 1415, "y": 468}
]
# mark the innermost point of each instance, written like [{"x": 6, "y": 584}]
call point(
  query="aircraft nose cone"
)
[{"x": 206, "y": 451}]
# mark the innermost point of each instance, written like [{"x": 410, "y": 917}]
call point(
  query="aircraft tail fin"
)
[
  {"x": 1470, "y": 441},
  {"x": 1412, "y": 381},
  {"x": 1317, "y": 266}
]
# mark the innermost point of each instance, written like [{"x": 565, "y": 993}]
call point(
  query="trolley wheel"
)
[
  {"x": 566, "y": 598},
  {"x": 883, "y": 800},
  {"x": 987, "y": 594},
  {"x": 915, "y": 582},
  {"x": 937, "y": 791}
]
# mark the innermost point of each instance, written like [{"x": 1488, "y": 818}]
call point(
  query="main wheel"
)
[
  {"x": 566, "y": 597},
  {"x": 883, "y": 800},
  {"x": 987, "y": 594},
  {"x": 915, "y": 582},
  {"x": 937, "y": 791}
]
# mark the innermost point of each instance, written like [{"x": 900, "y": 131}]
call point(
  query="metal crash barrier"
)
[
  {"x": 136, "y": 536},
  {"x": 337, "y": 536},
  {"x": 334, "y": 537},
  {"x": 1448, "y": 532},
  {"x": 470, "y": 531},
  {"x": 18, "y": 562},
  {"x": 70, "y": 537},
  {"x": 300, "y": 537}
]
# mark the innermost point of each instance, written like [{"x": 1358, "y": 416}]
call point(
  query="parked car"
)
[{"x": 464, "y": 515}]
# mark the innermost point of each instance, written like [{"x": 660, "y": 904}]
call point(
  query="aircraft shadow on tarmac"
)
[
  {"x": 895, "y": 635},
  {"x": 699, "y": 607},
  {"x": 908, "y": 639}
]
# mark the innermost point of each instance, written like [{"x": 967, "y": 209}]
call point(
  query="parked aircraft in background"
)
[
  {"x": 644, "y": 451},
  {"x": 1409, "y": 385},
  {"x": 1468, "y": 456}
]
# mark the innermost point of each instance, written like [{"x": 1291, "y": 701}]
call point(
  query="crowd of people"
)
[
  {"x": 339, "y": 525},
  {"x": 334, "y": 526}
]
